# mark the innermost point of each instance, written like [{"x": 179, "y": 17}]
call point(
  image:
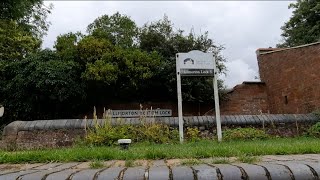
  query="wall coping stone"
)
[{"x": 63, "y": 124}]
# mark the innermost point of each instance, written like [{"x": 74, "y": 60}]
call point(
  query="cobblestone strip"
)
[
  {"x": 110, "y": 173},
  {"x": 137, "y": 173},
  {"x": 276, "y": 171},
  {"x": 86, "y": 174},
  {"x": 315, "y": 168},
  {"x": 159, "y": 171},
  {"x": 299, "y": 170},
  {"x": 228, "y": 171},
  {"x": 21, "y": 173},
  {"x": 182, "y": 173},
  {"x": 44, "y": 173},
  {"x": 64, "y": 174},
  {"x": 205, "y": 172},
  {"x": 24, "y": 167},
  {"x": 17, "y": 175},
  {"x": 253, "y": 171}
]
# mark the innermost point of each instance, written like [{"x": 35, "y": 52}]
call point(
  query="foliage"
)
[
  {"x": 15, "y": 42},
  {"x": 41, "y": 86},
  {"x": 66, "y": 45},
  {"x": 91, "y": 49},
  {"x": 22, "y": 25},
  {"x": 304, "y": 25},
  {"x": 193, "y": 134},
  {"x": 119, "y": 29},
  {"x": 314, "y": 130},
  {"x": 107, "y": 134},
  {"x": 244, "y": 134},
  {"x": 127, "y": 70}
]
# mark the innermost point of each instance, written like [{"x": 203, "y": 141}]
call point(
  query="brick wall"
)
[
  {"x": 189, "y": 109},
  {"x": 292, "y": 78},
  {"x": 247, "y": 98}
]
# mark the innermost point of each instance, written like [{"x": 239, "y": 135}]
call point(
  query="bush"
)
[
  {"x": 314, "y": 130},
  {"x": 244, "y": 134},
  {"x": 147, "y": 132},
  {"x": 193, "y": 134}
]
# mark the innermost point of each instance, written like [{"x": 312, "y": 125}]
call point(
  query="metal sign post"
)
[
  {"x": 216, "y": 103},
  {"x": 179, "y": 102},
  {"x": 197, "y": 63}
]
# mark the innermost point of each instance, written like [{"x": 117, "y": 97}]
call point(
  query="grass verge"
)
[
  {"x": 190, "y": 162},
  {"x": 201, "y": 149}
]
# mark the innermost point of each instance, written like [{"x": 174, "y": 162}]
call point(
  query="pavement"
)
[{"x": 271, "y": 167}]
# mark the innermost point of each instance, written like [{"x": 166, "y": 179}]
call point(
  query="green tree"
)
[
  {"x": 127, "y": 71},
  {"x": 119, "y": 29},
  {"x": 41, "y": 86},
  {"x": 91, "y": 49},
  {"x": 22, "y": 25},
  {"x": 66, "y": 45},
  {"x": 15, "y": 42},
  {"x": 304, "y": 25},
  {"x": 160, "y": 36}
]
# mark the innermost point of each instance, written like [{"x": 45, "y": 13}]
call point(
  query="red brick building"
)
[
  {"x": 292, "y": 78},
  {"x": 290, "y": 83}
]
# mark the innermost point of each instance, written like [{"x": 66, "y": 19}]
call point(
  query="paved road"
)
[{"x": 294, "y": 167}]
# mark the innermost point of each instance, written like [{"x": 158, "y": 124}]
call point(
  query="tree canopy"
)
[
  {"x": 115, "y": 61},
  {"x": 22, "y": 26},
  {"x": 304, "y": 25}
]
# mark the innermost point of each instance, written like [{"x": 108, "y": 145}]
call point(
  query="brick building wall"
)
[
  {"x": 292, "y": 78},
  {"x": 248, "y": 98}
]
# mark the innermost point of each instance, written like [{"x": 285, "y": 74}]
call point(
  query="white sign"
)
[
  {"x": 138, "y": 113},
  {"x": 197, "y": 63},
  {"x": 195, "y": 60},
  {"x": 196, "y": 72}
]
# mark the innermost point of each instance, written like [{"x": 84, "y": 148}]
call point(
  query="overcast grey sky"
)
[{"x": 240, "y": 26}]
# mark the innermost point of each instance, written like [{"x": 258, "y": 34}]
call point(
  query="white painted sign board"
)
[{"x": 197, "y": 63}]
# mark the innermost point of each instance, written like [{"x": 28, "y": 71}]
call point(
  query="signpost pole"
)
[
  {"x": 216, "y": 102},
  {"x": 179, "y": 103},
  {"x": 197, "y": 63}
]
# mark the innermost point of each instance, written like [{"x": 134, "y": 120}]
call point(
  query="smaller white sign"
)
[
  {"x": 197, "y": 72},
  {"x": 139, "y": 113}
]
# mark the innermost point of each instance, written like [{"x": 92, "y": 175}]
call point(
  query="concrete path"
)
[{"x": 294, "y": 167}]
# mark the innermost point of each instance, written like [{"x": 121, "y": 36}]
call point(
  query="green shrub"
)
[
  {"x": 193, "y": 134},
  {"x": 107, "y": 134},
  {"x": 148, "y": 132},
  {"x": 244, "y": 134},
  {"x": 314, "y": 130}
]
